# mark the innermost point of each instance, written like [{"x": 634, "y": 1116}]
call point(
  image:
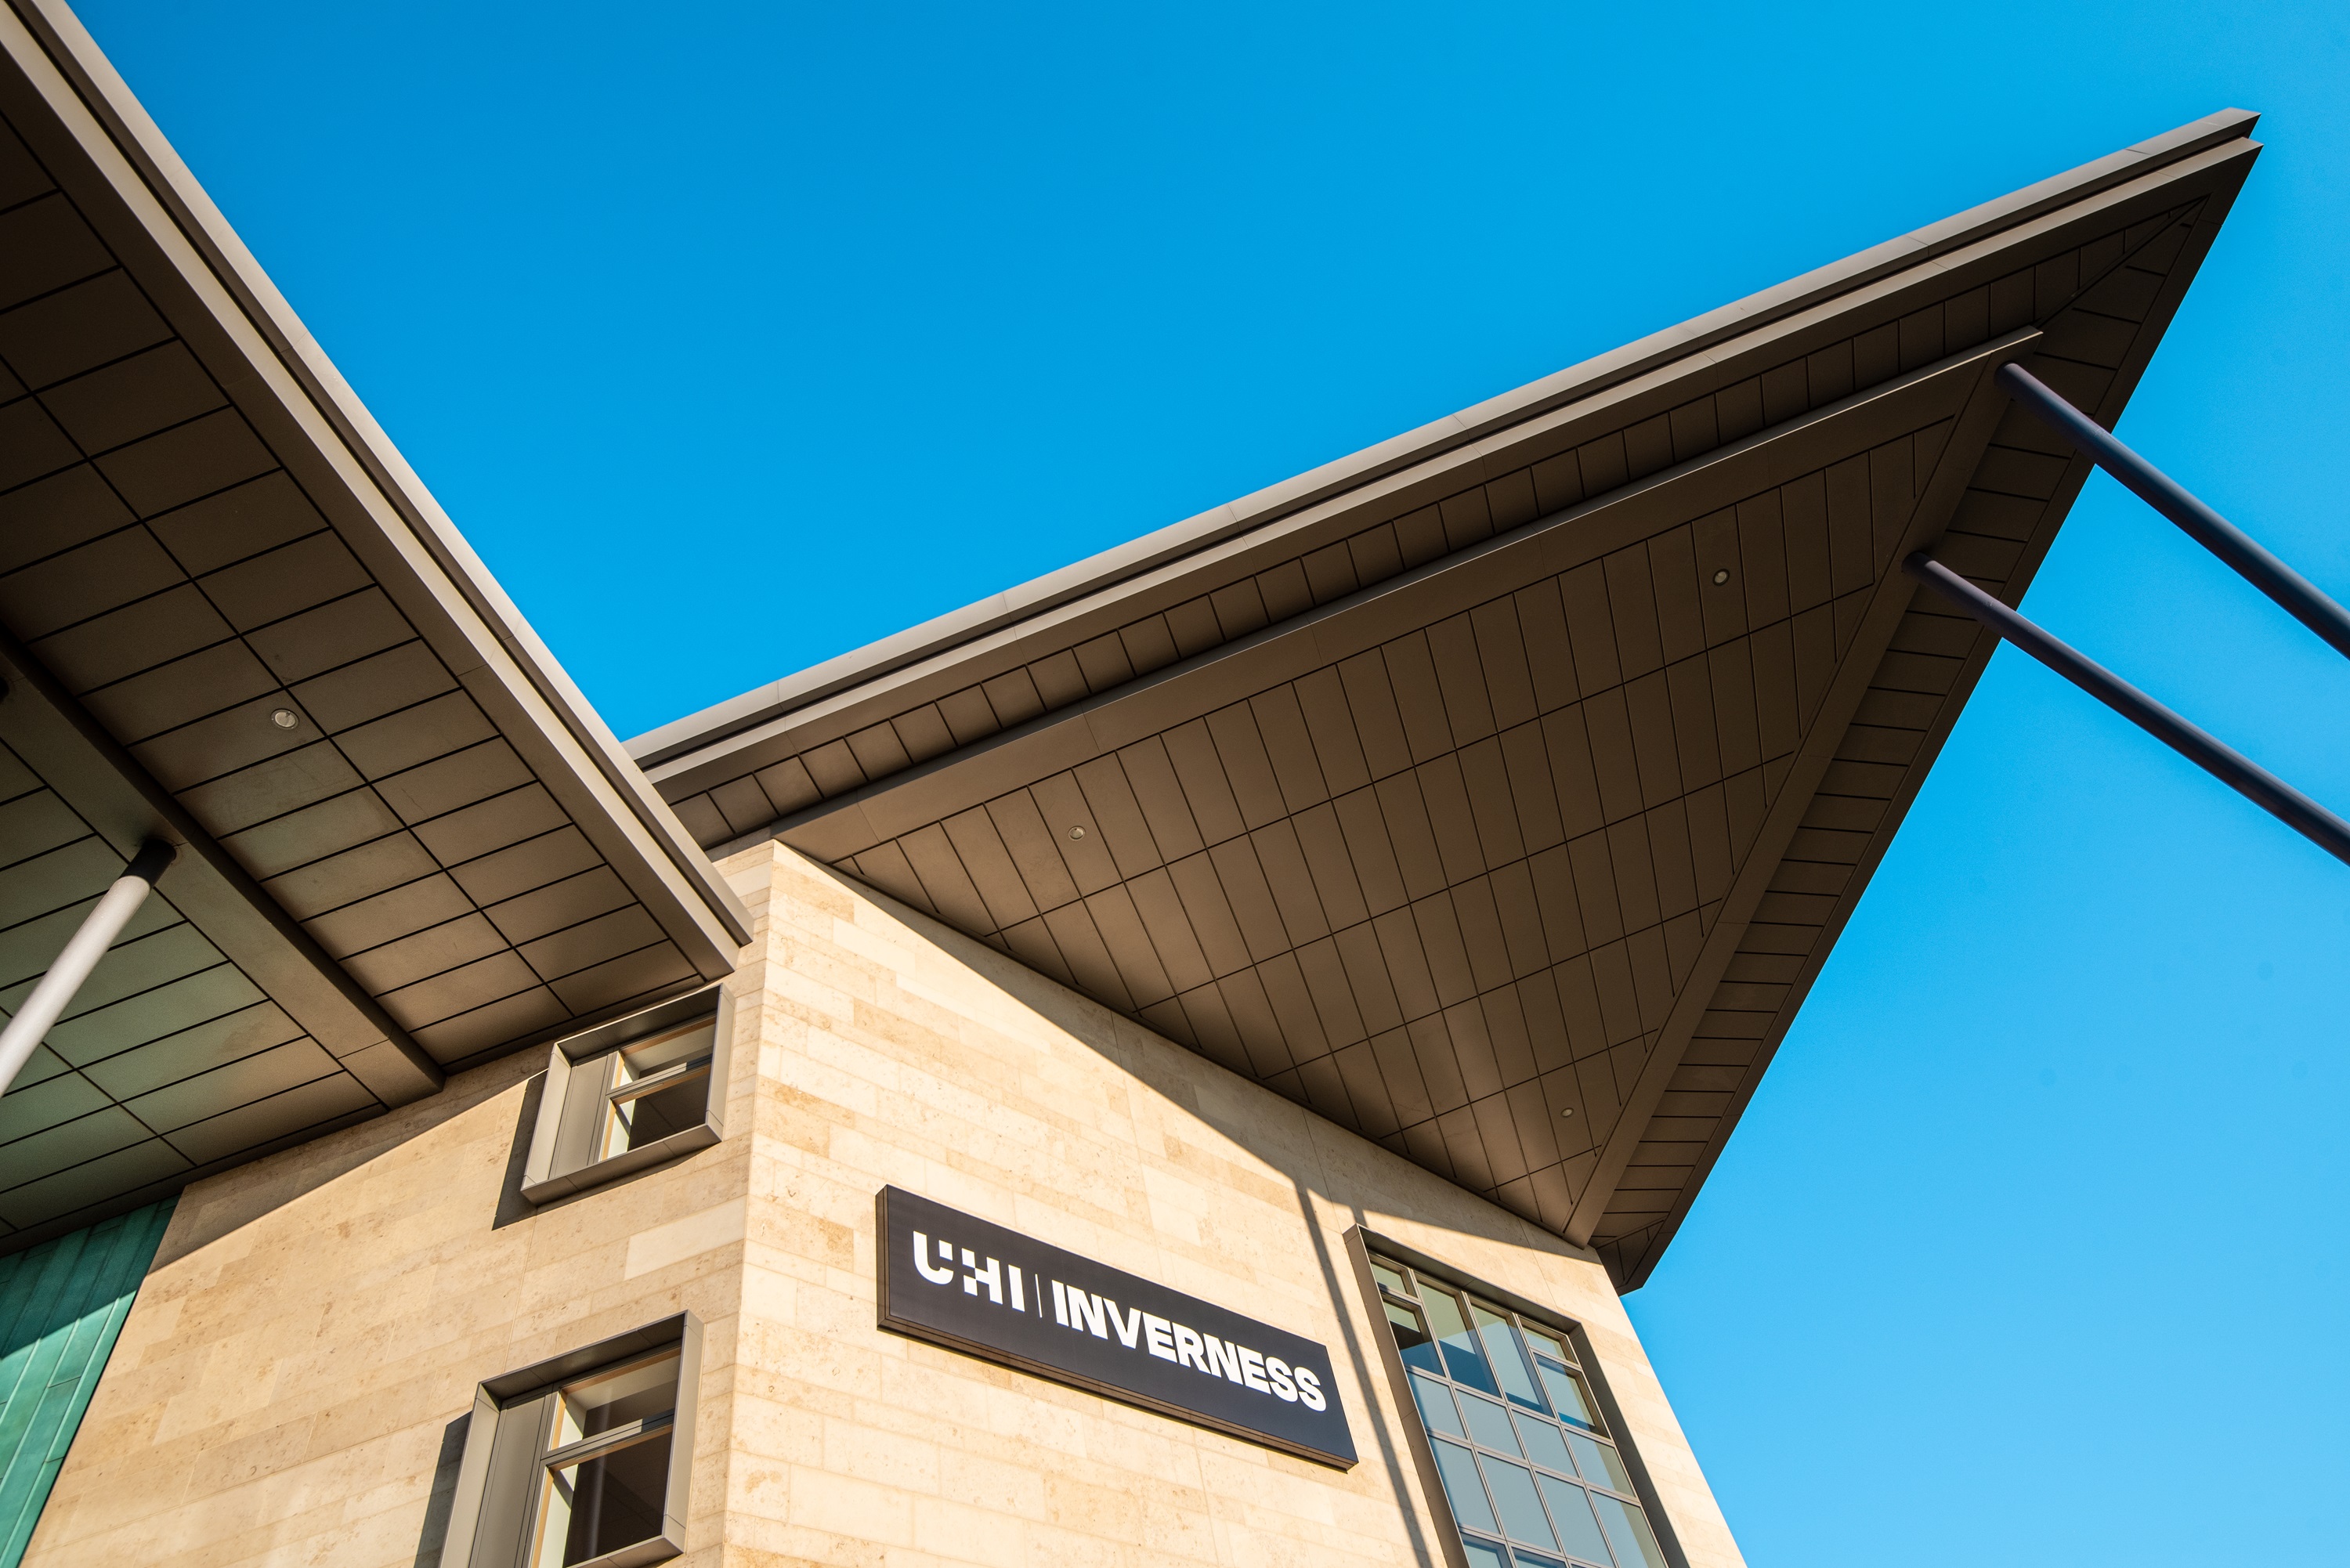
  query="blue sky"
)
[{"x": 737, "y": 336}]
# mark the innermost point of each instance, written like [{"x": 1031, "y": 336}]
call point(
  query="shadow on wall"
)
[
  {"x": 226, "y": 1204},
  {"x": 433, "y": 1538},
  {"x": 1081, "y": 1018},
  {"x": 513, "y": 1207},
  {"x": 1177, "y": 1073}
]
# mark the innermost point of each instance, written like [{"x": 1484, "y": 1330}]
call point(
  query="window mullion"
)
[
  {"x": 1508, "y": 1332},
  {"x": 610, "y": 1442},
  {"x": 668, "y": 1077}
]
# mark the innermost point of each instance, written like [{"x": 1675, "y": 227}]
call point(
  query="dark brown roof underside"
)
[
  {"x": 1466, "y": 808},
  {"x": 427, "y": 868},
  {"x": 1469, "y": 809}
]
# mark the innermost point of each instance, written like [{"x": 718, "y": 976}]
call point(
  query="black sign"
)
[{"x": 977, "y": 1287}]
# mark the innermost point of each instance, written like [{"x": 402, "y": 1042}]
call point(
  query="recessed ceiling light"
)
[
  {"x": 284, "y": 718},
  {"x": 1722, "y": 576},
  {"x": 1077, "y": 833}
]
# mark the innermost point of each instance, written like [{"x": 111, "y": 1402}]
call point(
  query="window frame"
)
[
  {"x": 497, "y": 1490},
  {"x": 579, "y": 1086},
  {"x": 1360, "y": 1244}
]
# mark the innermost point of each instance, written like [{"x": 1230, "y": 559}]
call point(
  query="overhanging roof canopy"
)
[
  {"x": 1499, "y": 792},
  {"x": 440, "y": 854}
]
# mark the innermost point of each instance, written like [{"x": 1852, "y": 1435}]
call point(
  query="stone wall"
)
[
  {"x": 895, "y": 1052},
  {"x": 289, "y": 1387}
]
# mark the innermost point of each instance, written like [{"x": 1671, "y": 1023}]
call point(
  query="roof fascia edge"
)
[
  {"x": 1685, "y": 340},
  {"x": 1855, "y": 672},
  {"x": 69, "y": 49},
  {"x": 845, "y": 825},
  {"x": 712, "y": 760},
  {"x": 2108, "y": 413}
]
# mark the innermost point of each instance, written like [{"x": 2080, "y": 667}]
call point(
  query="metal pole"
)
[
  {"x": 2229, "y": 766},
  {"x": 98, "y": 928},
  {"x": 2299, "y": 597}
]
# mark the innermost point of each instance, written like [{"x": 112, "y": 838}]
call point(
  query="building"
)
[{"x": 1178, "y": 1062}]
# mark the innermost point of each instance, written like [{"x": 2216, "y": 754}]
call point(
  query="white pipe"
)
[{"x": 58, "y": 987}]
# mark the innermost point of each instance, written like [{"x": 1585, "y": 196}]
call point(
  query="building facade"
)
[
  {"x": 262, "y": 1408},
  {"x": 1177, "y": 1063}
]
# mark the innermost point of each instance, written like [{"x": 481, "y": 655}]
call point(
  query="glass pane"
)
[
  {"x": 1507, "y": 1355},
  {"x": 1545, "y": 1445},
  {"x": 1570, "y": 1509},
  {"x": 610, "y": 1502},
  {"x": 1488, "y": 1423},
  {"x": 1412, "y": 1340},
  {"x": 1461, "y": 1354},
  {"x": 686, "y": 1042},
  {"x": 1513, "y": 1496},
  {"x": 1628, "y": 1527},
  {"x": 1391, "y": 1276},
  {"x": 1483, "y": 1554},
  {"x": 648, "y": 1118},
  {"x": 1435, "y": 1402},
  {"x": 1546, "y": 1343},
  {"x": 610, "y": 1399},
  {"x": 1462, "y": 1488},
  {"x": 1570, "y": 1398},
  {"x": 1600, "y": 1463},
  {"x": 633, "y": 1121},
  {"x": 1528, "y": 1559}
]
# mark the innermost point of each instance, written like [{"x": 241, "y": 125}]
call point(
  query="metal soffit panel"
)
[
  {"x": 1652, "y": 372},
  {"x": 198, "y": 533},
  {"x": 1504, "y": 807},
  {"x": 738, "y": 780},
  {"x": 176, "y": 1057},
  {"x": 392, "y": 520}
]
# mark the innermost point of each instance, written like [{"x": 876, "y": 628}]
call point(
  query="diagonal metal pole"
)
[
  {"x": 57, "y": 989},
  {"x": 2299, "y": 597},
  {"x": 2223, "y": 761}
]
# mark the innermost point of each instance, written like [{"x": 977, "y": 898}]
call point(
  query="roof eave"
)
[
  {"x": 1659, "y": 350},
  {"x": 420, "y": 541}
]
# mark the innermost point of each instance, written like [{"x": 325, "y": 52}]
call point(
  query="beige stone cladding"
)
[
  {"x": 291, "y": 1385},
  {"x": 289, "y": 1388},
  {"x": 895, "y": 1052}
]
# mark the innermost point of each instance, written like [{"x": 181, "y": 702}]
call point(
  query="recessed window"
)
[
  {"x": 656, "y": 1089},
  {"x": 581, "y": 1461},
  {"x": 603, "y": 1481},
  {"x": 629, "y": 1094},
  {"x": 1528, "y": 1466}
]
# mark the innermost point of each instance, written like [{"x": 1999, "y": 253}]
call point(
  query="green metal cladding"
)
[{"x": 61, "y": 1305}]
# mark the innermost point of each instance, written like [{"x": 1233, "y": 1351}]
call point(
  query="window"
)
[
  {"x": 582, "y": 1461},
  {"x": 605, "y": 1466},
  {"x": 630, "y": 1093},
  {"x": 1532, "y": 1474}
]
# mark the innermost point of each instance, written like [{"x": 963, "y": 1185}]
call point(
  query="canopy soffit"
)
[
  {"x": 230, "y": 616},
  {"x": 1500, "y": 791}
]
